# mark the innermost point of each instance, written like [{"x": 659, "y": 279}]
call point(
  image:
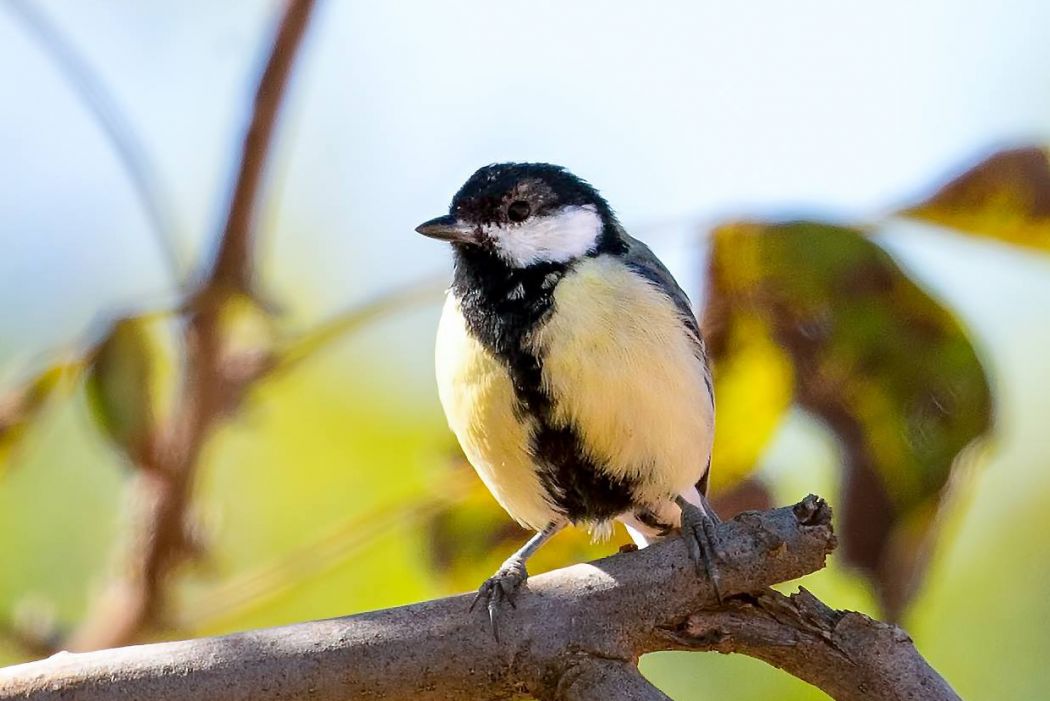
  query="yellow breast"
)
[
  {"x": 620, "y": 367},
  {"x": 479, "y": 402}
]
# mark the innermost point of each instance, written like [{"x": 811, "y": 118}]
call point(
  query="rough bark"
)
[
  {"x": 845, "y": 653},
  {"x": 576, "y": 634}
]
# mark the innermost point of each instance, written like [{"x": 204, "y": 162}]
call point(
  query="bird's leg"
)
[
  {"x": 503, "y": 586},
  {"x": 698, "y": 529}
]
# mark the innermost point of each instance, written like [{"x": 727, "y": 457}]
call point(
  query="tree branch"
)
[
  {"x": 576, "y": 634},
  {"x": 233, "y": 263},
  {"x": 847, "y": 654},
  {"x": 215, "y": 381},
  {"x": 609, "y": 680},
  {"x": 424, "y": 291}
]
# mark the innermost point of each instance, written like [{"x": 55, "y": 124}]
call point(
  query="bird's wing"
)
[
  {"x": 640, "y": 258},
  {"x": 645, "y": 263}
]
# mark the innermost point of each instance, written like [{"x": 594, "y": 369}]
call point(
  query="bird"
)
[{"x": 571, "y": 369}]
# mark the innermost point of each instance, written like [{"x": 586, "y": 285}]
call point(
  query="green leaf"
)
[
  {"x": 19, "y": 408},
  {"x": 120, "y": 386},
  {"x": 1005, "y": 197},
  {"x": 887, "y": 368}
]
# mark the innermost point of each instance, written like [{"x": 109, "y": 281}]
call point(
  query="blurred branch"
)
[
  {"x": 576, "y": 633},
  {"x": 31, "y": 643},
  {"x": 214, "y": 382},
  {"x": 320, "y": 555},
  {"x": 77, "y": 71},
  {"x": 418, "y": 293},
  {"x": 21, "y": 406},
  {"x": 233, "y": 263}
]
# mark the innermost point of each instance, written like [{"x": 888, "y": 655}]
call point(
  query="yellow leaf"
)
[
  {"x": 20, "y": 407},
  {"x": 753, "y": 385},
  {"x": 1005, "y": 197}
]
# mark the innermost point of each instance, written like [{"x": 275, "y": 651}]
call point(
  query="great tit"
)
[{"x": 571, "y": 368}]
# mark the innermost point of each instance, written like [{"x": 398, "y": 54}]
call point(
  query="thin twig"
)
[
  {"x": 422, "y": 292},
  {"x": 103, "y": 106},
  {"x": 233, "y": 263},
  {"x": 314, "y": 558},
  {"x": 29, "y": 643}
]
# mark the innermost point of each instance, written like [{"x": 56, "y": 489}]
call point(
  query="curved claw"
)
[
  {"x": 698, "y": 529},
  {"x": 493, "y": 608},
  {"x": 500, "y": 588}
]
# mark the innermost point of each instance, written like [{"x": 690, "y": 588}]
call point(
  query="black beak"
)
[{"x": 448, "y": 228}]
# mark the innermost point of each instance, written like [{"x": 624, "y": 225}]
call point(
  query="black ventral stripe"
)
[
  {"x": 576, "y": 485},
  {"x": 501, "y": 306}
]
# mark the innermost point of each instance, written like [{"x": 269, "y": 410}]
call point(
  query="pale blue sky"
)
[{"x": 680, "y": 112}]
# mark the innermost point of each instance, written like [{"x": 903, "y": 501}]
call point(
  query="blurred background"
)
[{"x": 855, "y": 195}]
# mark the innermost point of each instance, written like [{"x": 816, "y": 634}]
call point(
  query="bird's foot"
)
[
  {"x": 698, "y": 530},
  {"x": 501, "y": 588}
]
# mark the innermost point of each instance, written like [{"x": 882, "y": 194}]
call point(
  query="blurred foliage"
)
[
  {"x": 247, "y": 327},
  {"x": 121, "y": 387},
  {"x": 469, "y": 539},
  {"x": 1006, "y": 197},
  {"x": 889, "y": 370},
  {"x": 754, "y": 381},
  {"x": 20, "y": 407},
  {"x": 334, "y": 488}
]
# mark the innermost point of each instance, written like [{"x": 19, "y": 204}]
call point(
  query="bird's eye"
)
[{"x": 519, "y": 211}]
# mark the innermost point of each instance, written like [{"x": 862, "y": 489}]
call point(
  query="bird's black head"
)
[
  {"x": 509, "y": 193},
  {"x": 528, "y": 213}
]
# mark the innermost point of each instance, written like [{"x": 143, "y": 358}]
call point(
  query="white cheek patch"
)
[{"x": 556, "y": 238}]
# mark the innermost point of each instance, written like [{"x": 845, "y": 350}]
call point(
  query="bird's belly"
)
[
  {"x": 478, "y": 397},
  {"x": 621, "y": 369},
  {"x": 625, "y": 419}
]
